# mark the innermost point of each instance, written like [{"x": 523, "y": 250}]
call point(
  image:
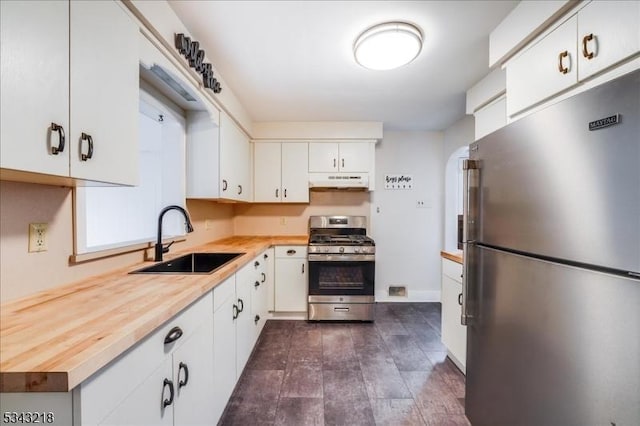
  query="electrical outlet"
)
[
  {"x": 37, "y": 237},
  {"x": 208, "y": 224},
  {"x": 283, "y": 221},
  {"x": 420, "y": 204}
]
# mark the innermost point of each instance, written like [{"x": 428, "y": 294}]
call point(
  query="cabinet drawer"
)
[
  {"x": 106, "y": 389},
  {"x": 452, "y": 269},
  {"x": 291, "y": 251}
]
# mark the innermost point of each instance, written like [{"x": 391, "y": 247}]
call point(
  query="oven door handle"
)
[{"x": 341, "y": 257}]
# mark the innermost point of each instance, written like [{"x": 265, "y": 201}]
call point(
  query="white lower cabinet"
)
[
  {"x": 132, "y": 389},
  {"x": 224, "y": 344},
  {"x": 142, "y": 407},
  {"x": 237, "y": 303},
  {"x": 291, "y": 279},
  {"x": 181, "y": 374},
  {"x": 454, "y": 334}
]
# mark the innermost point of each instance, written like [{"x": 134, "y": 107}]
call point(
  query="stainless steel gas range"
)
[{"x": 341, "y": 269}]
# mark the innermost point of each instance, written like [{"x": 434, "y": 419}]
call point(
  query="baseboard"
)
[{"x": 412, "y": 296}]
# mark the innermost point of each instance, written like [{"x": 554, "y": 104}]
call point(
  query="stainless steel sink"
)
[{"x": 193, "y": 263}]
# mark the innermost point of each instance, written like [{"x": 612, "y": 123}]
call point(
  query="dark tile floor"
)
[{"x": 390, "y": 372}]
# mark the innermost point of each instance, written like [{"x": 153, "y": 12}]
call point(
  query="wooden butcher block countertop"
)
[
  {"x": 53, "y": 340},
  {"x": 456, "y": 256}
]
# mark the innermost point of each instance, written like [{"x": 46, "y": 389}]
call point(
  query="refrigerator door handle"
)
[{"x": 471, "y": 175}]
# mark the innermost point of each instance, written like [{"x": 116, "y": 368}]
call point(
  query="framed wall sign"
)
[{"x": 398, "y": 181}]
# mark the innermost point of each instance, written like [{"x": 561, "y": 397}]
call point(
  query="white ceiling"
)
[{"x": 293, "y": 60}]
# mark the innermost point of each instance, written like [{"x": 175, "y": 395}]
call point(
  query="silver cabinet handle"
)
[{"x": 471, "y": 169}]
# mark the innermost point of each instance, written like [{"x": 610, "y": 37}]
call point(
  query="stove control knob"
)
[
  {"x": 356, "y": 250},
  {"x": 326, "y": 249},
  {"x": 341, "y": 249}
]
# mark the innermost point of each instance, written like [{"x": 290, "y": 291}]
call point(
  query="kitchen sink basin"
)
[{"x": 193, "y": 263}]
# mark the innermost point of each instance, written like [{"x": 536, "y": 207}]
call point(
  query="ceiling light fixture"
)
[{"x": 388, "y": 45}]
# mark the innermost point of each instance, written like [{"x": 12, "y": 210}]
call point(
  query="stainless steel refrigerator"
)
[{"x": 552, "y": 265}]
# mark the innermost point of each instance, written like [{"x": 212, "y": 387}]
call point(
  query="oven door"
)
[{"x": 341, "y": 275}]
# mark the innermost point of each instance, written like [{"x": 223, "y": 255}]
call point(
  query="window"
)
[{"x": 109, "y": 217}]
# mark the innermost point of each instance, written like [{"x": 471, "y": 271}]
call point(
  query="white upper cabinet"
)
[
  {"x": 545, "y": 69},
  {"x": 104, "y": 93},
  {"x": 590, "y": 47},
  {"x": 218, "y": 158},
  {"x": 235, "y": 161},
  {"x": 35, "y": 85},
  {"x": 339, "y": 157},
  {"x": 280, "y": 172},
  {"x": 70, "y": 73},
  {"x": 608, "y": 32}
]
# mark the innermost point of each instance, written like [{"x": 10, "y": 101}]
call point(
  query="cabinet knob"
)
[
  {"x": 256, "y": 319},
  {"x": 87, "y": 137},
  {"x": 561, "y": 66},
  {"x": 55, "y": 150},
  {"x": 256, "y": 284},
  {"x": 256, "y": 264},
  {"x": 585, "y": 50}
]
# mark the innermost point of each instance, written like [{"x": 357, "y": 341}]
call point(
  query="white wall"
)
[
  {"x": 459, "y": 135},
  {"x": 408, "y": 238}
]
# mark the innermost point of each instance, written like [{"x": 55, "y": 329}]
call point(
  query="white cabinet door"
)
[
  {"x": 454, "y": 334},
  {"x": 103, "y": 139},
  {"x": 235, "y": 161},
  {"x": 267, "y": 172},
  {"x": 203, "y": 156},
  {"x": 291, "y": 285},
  {"x": 145, "y": 406},
  {"x": 35, "y": 85},
  {"x": 295, "y": 172},
  {"x": 291, "y": 279},
  {"x": 323, "y": 157},
  {"x": 538, "y": 73},
  {"x": 608, "y": 32},
  {"x": 193, "y": 378},
  {"x": 245, "y": 334},
  {"x": 224, "y": 345},
  {"x": 269, "y": 259},
  {"x": 354, "y": 157}
]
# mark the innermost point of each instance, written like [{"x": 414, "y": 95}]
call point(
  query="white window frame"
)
[{"x": 155, "y": 105}]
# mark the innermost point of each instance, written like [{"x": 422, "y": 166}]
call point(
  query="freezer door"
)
[
  {"x": 550, "y": 344},
  {"x": 551, "y": 186}
]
